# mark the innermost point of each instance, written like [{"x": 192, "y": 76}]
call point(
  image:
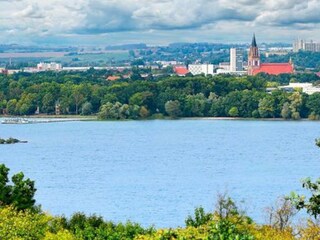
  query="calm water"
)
[{"x": 157, "y": 172}]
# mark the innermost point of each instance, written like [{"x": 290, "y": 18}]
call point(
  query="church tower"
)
[{"x": 254, "y": 57}]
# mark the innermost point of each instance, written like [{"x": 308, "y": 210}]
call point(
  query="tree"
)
[
  {"x": 311, "y": 205},
  {"x": 11, "y": 106},
  {"x": 295, "y": 105},
  {"x": 266, "y": 107},
  {"x": 281, "y": 214},
  {"x": 5, "y": 189},
  {"x": 233, "y": 112},
  {"x": 200, "y": 218},
  {"x": 144, "y": 113},
  {"x": 313, "y": 103},
  {"x": 20, "y": 194},
  {"x": 286, "y": 112},
  {"x": 195, "y": 105},
  {"x": 86, "y": 108},
  {"x": 173, "y": 108},
  {"x": 48, "y": 103}
]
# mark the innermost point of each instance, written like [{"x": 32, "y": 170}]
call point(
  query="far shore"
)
[
  {"x": 74, "y": 117},
  {"x": 95, "y": 118},
  {"x": 244, "y": 119}
]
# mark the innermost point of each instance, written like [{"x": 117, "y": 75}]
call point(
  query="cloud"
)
[
  {"x": 128, "y": 15},
  {"x": 31, "y": 11},
  {"x": 26, "y": 19}
]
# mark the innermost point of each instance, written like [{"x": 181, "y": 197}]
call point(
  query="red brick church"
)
[{"x": 255, "y": 66}]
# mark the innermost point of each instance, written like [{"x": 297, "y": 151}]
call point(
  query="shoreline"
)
[
  {"x": 95, "y": 118},
  {"x": 61, "y": 117},
  {"x": 244, "y": 119}
]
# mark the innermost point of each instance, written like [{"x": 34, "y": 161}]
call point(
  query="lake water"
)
[{"x": 157, "y": 172}]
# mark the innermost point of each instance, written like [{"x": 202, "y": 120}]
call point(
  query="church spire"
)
[
  {"x": 254, "y": 57},
  {"x": 254, "y": 42}
]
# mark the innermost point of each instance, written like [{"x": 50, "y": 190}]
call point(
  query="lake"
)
[{"x": 157, "y": 172}]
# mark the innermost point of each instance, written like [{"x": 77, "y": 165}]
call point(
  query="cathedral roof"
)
[{"x": 274, "y": 68}]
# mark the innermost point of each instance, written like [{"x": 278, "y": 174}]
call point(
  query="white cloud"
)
[
  {"x": 32, "y": 19},
  {"x": 31, "y": 11}
]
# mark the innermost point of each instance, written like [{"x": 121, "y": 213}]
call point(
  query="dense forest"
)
[{"x": 90, "y": 93}]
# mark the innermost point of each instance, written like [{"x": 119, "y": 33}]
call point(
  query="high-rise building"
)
[
  {"x": 236, "y": 60},
  {"x": 303, "y": 45}
]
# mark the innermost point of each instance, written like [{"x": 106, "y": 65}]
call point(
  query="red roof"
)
[
  {"x": 113, "y": 78},
  {"x": 274, "y": 68},
  {"x": 180, "y": 70},
  {"x": 318, "y": 74}
]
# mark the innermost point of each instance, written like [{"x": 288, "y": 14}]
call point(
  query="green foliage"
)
[
  {"x": 94, "y": 227},
  {"x": 20, "y": 194},
  {"x": 173, "y": 108},
  {"x": 200, "y": 218},
  {"x": 266, "y": 107},
  {"x": 233, "y": 112},
  {"x": 286, "y": 112},
  {"x": 120, "y": 111},
  {"x": 311, "y": 205},
  {"x": 225, "y": 229},
  {"x": 22, "y": 225},
  {"x": 86, "y": 108},
  {"x": 198, "y": 96}
]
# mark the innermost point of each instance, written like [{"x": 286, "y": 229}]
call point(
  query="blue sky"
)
[{"x": 108, "y": 22}]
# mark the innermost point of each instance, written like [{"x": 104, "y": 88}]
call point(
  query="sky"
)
[{"x": 156, "y": 22}]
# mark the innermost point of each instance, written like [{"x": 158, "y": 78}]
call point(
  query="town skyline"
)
[{"x": 97, "y": 22}]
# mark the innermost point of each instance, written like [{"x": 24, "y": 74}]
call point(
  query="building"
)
[
  {"x": 3, "y": 71},
  {"x": 255, "y": 66},
  {"x": 277, "y": 53},
  {"x": 206, "y": 69},
  {"x": 307, "y": 88},
  {"x": 113, "y": 78},
  {"x": 49, "y": 66},
  {"x": 303, "y": 45},
  {"x": 181, "y": 70},
  {"x": 236, "y": 60},
  {"x": 224, "y": 66}
]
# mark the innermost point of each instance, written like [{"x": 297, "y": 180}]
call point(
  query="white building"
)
[
  {"x": 206, "y": 69},
  {"x": 306, "y": 46},
  {"x": 235, "y": 66},
  {"x": 168, "y": 63},
  {"x": 49, "y": 66},
  {"x": 236, "y": 60},
  {"x": 307, "y": 88}
]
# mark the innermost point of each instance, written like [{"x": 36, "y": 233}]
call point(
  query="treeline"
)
[{"x": 199, "y": 96}]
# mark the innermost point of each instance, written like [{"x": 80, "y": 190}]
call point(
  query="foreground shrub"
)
[
  {"x": 22, "y": 224},
  {"x": 310, "y": 231},
  {"x": 94, "y": 227}
]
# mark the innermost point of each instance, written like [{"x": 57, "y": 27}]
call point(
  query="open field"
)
[
  {"x": 83, "y": 59},
  {"x": 33, "y": 55}
]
